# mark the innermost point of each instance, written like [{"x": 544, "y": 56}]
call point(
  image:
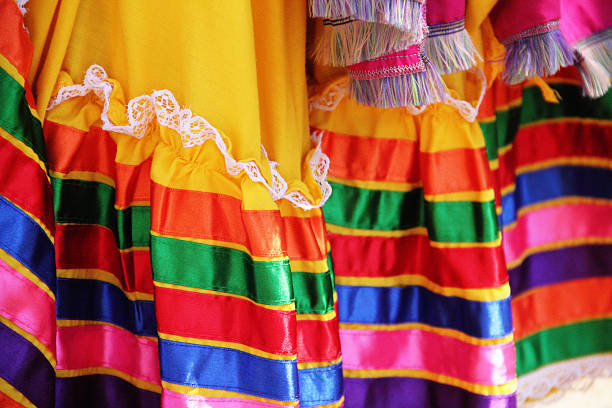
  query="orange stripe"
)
[{"x": 561, "y": 303}]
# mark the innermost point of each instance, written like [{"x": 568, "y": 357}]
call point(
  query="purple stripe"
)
[
  {"x": 25, "y": 368},
  {"x": 561, "y": 265},
  {"x": 101, "y": 391},
  {"x": 416, "y": 393}
]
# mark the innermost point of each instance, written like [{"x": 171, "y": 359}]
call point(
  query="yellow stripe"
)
[
  {"x": 504, "y": 149},
  {"x": 25, "y": 149},
  {"x": 501, "y": 109},
  {"x": 25, "y": 272},
  {"x": 456, "y": 334},
  {"x": 83, "y": 176},
  {"x": 320, "y": 317},
  {"x": 494, "y": 164},
  {"x": 228, "y": 344},
  {"x": 287, "y": 307},
  {"x": 133, "y": 204},
  {"x": 376, "y": 185},
  {"x": 558, "y": 245},
  {"x": 476, "y": 196},
  {"x": 136, "y": 382},
  {"x": 586, "y": 121},
  {"x": 334, "y": 405},
  {"x": 224, "y": 244},
  {"x": 104, "y": 276},
  {"x": 318, "y": 364},
  {"x": 554, "y": 203},
  {"x": 507, "y": 388},
  {"x": 484, "y": 294},
  {"x": 10, "y": 69},
  {"x": 210, "y": 393},
  {"x": 31, "y": 338},
  {"x": 508, "y": 189},
  {"x": 560, "y": 161},
  {"x": 7, "y": 389},
  {"x": 134, "y": 249},
  {"x": 337, "y": 229},
  {"x": 83, "y": 323},
  {"x": 318, "y": 266}
]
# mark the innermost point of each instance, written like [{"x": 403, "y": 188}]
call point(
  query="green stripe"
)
[
  {"x": 456, "y": 221},
  {"x": 313, "y": 292},
  {"x": 220, "y": 269},
  {"x": 534, "y": 108},
  {"x": 16, "y": 118},
  {"x": 91, "y": 202},
  {"x": 562, "y": 343}
]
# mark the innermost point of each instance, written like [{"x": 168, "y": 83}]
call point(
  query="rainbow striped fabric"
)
[{"x": 552, "y": 165}]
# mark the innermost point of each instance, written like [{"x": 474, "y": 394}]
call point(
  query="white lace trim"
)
[
  {"x": 577, "y": 374},
  {"x": 466, "y": 109},
  {"x": 330, "y": 99},
  {"x": 194, "y": 130},
  {"x": 22, "y": 6}
]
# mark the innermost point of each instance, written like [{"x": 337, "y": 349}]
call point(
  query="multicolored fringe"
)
[
  {"x": 594, "y": 55},
  {"x": 401, "y": 79},
  {"x": 404, "y": 14},
  {"x": 450, "y": 47},
  {"x": 538, "y": 51},
  {"x": 347, "y": 41}
]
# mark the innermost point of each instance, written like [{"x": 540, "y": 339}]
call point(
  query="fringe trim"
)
[
  {"x": 412, "y": 89},
  {"x": 540, "y": 51},
  {"x": 163, "y": 108},
  {"x": 595, "y": 63},
  {"x": 577, "y": 374},
  {"x": 348, "y": 41},
  {"x": 404, "y": 14},
  {"x": 450, "y": 48}
]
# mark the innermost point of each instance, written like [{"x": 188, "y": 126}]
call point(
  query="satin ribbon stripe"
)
[
  {"x": 385, "y": 392},
  {"x": 562, "y": 343},
  {"x": 82, "y": 299},
  {"x": 313, "y": 292},
  {"x": 107, "y": 346},
  {"x": 227, "y": 270},
  {"x": 109, "y": 391},
  {"x": 227, "y": 369},
  {"x": 177, "y": 314},
  {"x": 25, "y": 183},
  {"x": 427, "y": 351},
  {"x": 415, "y": 304},
  {"x": 560, "y": 304},
  {"x": 24, "y": 239},
  {"x": 16, "y": 117},
  {"x": 82, "y": 248},
  {"x": 385, "y": 257},
  {"x": 459, "y": 221},
  {"x": 561, "y": 265},
  {"x": 91, "y": 202},
  {"x": 529, "y": 232},
  {"x": 172, "y": 399},
  {"x": 37, "y": 382},
  {"x": 320, "y": 386},
  {"x": 15, "y": 45},
  {"x": 553, "y": 183},
  {"x": 318, "y": 341},
  {"x": 9, "y": 397}
]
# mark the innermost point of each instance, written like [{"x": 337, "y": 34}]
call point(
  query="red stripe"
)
[
  {"x": 368, "y": 158},
  {"x": 318, "y": 340},
  {"x": 70, "y": 149},
  {"x": 561, "y": 303},
  {"x": 225, "y": 318},
  {"x": 15, "y": 43},
  {"x": 25, "y": 183},
  {"x": 385, "y": 257},
  {"x": 94, "y": 247},
  {"x": 498, "y": 95},
  {"x": 6, "y": 402}
]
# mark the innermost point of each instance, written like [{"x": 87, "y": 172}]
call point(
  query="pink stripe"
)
[
  {"x": 422, "y": 350},
  {"x": 26, "y": 305},
  {"x": 554, "y": 224},
  {"x": 445, "y": 11},
  {"x": 171, "y": 399},
  {"x": 397, "y": 63},
  {"x": 81, "y": 347}
]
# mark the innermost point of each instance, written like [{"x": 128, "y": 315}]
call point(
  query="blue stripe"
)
[
  {"x": 320, "y": 385},
  {"x": 227, "y": 369},
  {"x": 23, "y": 239},
  {"x": 85, "y": 299},
  {"x": 555, "y": 182},
  {"x": 25, "y": 368},
  {"x": 415, "y": 304}
]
